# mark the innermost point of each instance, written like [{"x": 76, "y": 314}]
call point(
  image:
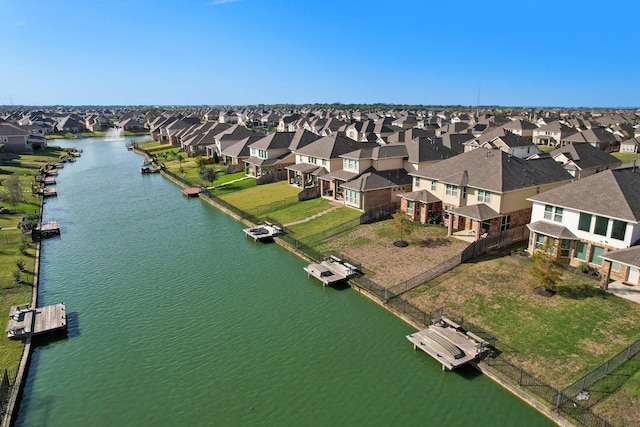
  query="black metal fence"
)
[{"x": 6, "y": 383}]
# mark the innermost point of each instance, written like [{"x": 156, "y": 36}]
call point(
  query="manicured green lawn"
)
[
  {"x": 235, "y": 187},
  {"x": 625, "y": 157},
  {"x": 298, "y": 210},
  {"x": 323, "y": 223},
  {"x": 545, "y": 148},
  {"x": 223, "y": 178},
  {"x": 259, "y": 195}
]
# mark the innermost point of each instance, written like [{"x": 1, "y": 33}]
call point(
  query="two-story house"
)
[
  {"x": 270, "y": 154},
  {"x": 582, "y": 159},
  {"x": 481, "y": 192},
  {"x": 589, "y": 218}
]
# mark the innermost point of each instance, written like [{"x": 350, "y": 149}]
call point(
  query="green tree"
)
[
  {"x": 403, "y": 226},
  {"x": 208, "y": 174},
  {"x": 12, "y": 192},
  {"x": 545, "y": 269}
]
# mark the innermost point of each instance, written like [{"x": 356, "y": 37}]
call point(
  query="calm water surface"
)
[{"x": 176, "y": 318}]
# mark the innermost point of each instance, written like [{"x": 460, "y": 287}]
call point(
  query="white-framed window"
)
[
  {"x": 262, "y": 154},
  {"x": 409, "y": 207},
  {"x": 350, "y": 164},
  {"x": 451, "y": 190},
  {"x": 553, "y": 213},
  {"x": 313, "y": 160},
  {"x": 352, "y": 197},
  {"x": 416, "y": 181},
  {"x": 325, "y": 162},
  {"x": 505, "y": 223},
  {"x": 484, "y": 196},
  {"x": 615, "y": 266},
  {"x": 434, "y": 185}
]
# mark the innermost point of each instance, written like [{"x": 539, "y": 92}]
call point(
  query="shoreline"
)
[
  {"x": 531, "y": 401},
  {"x": 25, "y": 360}
]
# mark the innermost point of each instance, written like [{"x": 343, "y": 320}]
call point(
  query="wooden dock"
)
[
  {"x": 192, "y": 192},
  {"x": 25, "y": 321},
  {"x": 51, "y": 172},
  {"x": 47, "y": 191},
  {"x": 47, "y": 229},
  {"x": 331, "y": 270},
  {"x": 448, "y": 343}
]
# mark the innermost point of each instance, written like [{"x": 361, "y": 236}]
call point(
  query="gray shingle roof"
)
[
  {"x": 612, "y": 193},
  {"x": 553, "y": 230},
  {"x": 420, "y": 196},
  {"x": 372, "y": 179},
  {"x": 495, "y": 170},
  {"x": 629, "y": 256},
  {"x": 331, "y": 147},
  {"x": 479, "y": 212},
  {"x": 586, "y": 156}
]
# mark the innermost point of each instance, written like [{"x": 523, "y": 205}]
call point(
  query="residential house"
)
[
  {"x": 552, "y": 134},
  {"x": 598, "y": 137},
  {"x": 319, "y": 158},
  {"x": 238, "y": 152},
  {"x": 584, "y": 221},
  {"x": 270, "y": 154},
  {"x": 630, "y": 145},
  {"x": 582, "y": 159},
  {"x": 521, "y": 127},
  {"x": 14, "y": 139},
  {"x": 480, "y": 192}
]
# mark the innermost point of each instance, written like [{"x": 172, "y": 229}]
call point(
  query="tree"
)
[
  {"x": 545, "y": 269},
  {"x": 402, "y": 225},
  {"x": 12, "y": 192},
  {"x": 208, "y": 174}
]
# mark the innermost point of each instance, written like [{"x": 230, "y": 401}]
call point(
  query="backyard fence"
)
[
  {"x": 6, "y": 383},
  {"x": 603, "y": 370},
  {"x": 495, "y": 241},
  {"x": 270, "y": 177},
  {"x": 374, "y": 214}
]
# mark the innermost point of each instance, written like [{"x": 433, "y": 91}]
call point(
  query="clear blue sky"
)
[{"x": 193, "y": 52}]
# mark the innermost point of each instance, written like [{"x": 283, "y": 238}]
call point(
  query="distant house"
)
[
  {"x": 582, "y": 160},
  {"x": 14, "y": 139},
  {"x": 585, "y": 221},
  {"x": 270, "y": 154},
  {"x": 520, "y": 127},
  {"x": 597, "y": 137},
  {"x": 552, "y": 134},
  {"x": 630, "y": 145},
  {"x": 480, "y": 192}
]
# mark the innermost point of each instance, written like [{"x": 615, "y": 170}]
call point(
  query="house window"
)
[
  {"x": 615, "y": 267},
  {"x": 584, "y": 223},
  {"x": 551, "y": 246},
  {"x": 484, "y": 196},
  {"x": 447, "y": 208},
  {"x": 464, "y": 192},
  {"x": 601, "y": 225},
  {"x": 416, "y": 181},
  {"x": 618, "y": 229},
  {"x": 581, "y": 251},
  {"x": 262, "y": 154},
  {"x": 539, "y": 241},
  {"x": 325, "y": 162},
  {"x": 350, "y": 164},
  {"x": 299, "y": 158},
  {"x": 553, "y": 213},
  {"x": 506, "y": 223},
  {"x": 352, "y": 197},
  {"x": 452, "y": 190},
  {"x": 565, "y": 248},
  {"x": 313, "y": 160},
  {"x": 594, "y": 258},
  {"x": 434, "y": 185},
  {"x": 409, "y": 207}
]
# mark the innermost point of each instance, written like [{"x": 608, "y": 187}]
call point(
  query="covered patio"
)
[
  {"x": 472, "y": 222},
  {"x": 304, "y": 175}
]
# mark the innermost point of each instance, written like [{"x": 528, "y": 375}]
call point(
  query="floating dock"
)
[
  {"x": 48, "y": 191},
  {"x": 331, "y": 270},
  {"x": 448, "y": 343},
  {"x": 51, "y": 172},
  {"x": 150, "y": 169},
  {"x": 263, "y": 231},
  {"x": 25, "y": 321},
  {"x": 47, "y": 229},
  {"x": 192, "y": 192}
]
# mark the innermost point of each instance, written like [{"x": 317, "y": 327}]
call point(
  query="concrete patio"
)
[{"x": 629, "y": 292}]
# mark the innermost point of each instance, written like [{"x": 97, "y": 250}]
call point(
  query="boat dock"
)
[
  {"x": 25, "y": 321},
  {"x": 51, "y": 172},
  {"x": 192, "y": 192},
  {"x": 331, "y": 270},
  {"x": 448, "y": 343},
  {"x": 263, "y": 231},
  {"x": 48, "y": 191},
  {"x": 47, "y": 229}
]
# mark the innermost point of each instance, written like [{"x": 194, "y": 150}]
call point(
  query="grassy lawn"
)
[
  {"x": 298, "y": 210},
  {"x": 324, "y": 223},
  {"x": 224, "y": 178},
  {"x": 10, "y": 241},
  {"x": 625, "y": 157},
  {"x": 258, "y": 195},
  {"x": 50, "y": 154},
  {"x": 557, "y": 338},
  {"x": 235, "y": 187},
  {"x": 545, "y": 148}
]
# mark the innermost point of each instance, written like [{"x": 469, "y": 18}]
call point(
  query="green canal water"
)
[{"x": 177, "y": 319}]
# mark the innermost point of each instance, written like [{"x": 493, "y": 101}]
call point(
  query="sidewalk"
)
[
  {"x": 227, "y": 183},
  {"x": 335, "y": 206}
]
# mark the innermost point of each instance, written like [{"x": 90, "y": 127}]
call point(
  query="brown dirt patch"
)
[{"x": 372, "y": 245}]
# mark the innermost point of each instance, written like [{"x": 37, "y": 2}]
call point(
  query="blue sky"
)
[{"x": 234, "y": 52}]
